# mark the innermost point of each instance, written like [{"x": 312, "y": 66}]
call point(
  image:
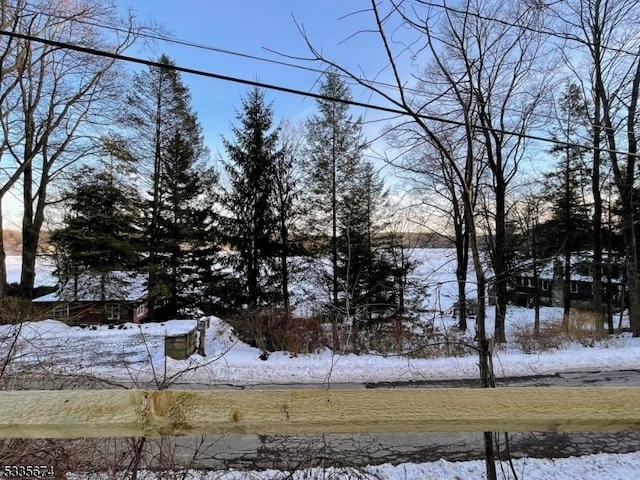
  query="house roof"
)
[
  {"x": 94, "y": 287},
  {"x": 580, "y": 262}
]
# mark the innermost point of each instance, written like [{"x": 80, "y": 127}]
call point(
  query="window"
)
[
  {"x": 574, "y": 287},
  {"x": 60, "y": 312},
  {"x": 112, "y": 311},
  {"x": 141, "y": 310},
  {"x": 545, "y": 285}
]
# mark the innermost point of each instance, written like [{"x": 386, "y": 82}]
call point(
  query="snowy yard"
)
[
  {"x": 134, "y": 354},
  {"x": 590, "y": 467}
]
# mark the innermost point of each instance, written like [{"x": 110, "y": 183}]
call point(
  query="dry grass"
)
[
  {"x": 271, "y": 330},
  {"x": 553, "y": 335}
]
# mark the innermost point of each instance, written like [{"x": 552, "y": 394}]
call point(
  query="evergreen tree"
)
[
  {"x": 569, "y": 229},
  {"x": 251, "y": 225},
  {"x": 99, "y": 232},
  {"x": 335, "y": 147},
  {"x": 167, "y": 142},
  {"x": 363, "y": 268},
  {"x": 186, "y": 239}
]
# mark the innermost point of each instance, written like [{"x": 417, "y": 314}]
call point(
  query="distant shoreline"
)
[{"x": 13, "y": 241}]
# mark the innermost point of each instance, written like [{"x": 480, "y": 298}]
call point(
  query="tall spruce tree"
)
[
  {"x": 166, "y": 140},
  {"x": 363, "y": 268},
  {"x": 251, "y": 225},
  {"x": 335, "y": 147},
  {"x": 569, "y": 229}
]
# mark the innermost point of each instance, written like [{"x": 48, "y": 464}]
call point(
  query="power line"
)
[
  {"x": 279, "y": 88},
  {"x": 192, "y": 44}
]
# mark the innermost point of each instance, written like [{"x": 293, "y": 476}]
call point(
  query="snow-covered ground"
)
[
  {"x": 135, "y": 353},
  {"x": 589, "y": 467}
]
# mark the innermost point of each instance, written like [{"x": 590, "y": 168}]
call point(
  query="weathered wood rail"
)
[{"x": 120, "y": 413}]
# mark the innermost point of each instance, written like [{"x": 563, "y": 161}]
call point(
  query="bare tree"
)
[
  {"x": 605, "y": 32},
  {"x": 52, "y": 116},
  {"x": 12, "y": 62},
  {"x": 526, "y": 213},
  {"x": 494, "y": 54},
  {"x": 440, "y": 190},
  {"x": 489, "y": 89}
]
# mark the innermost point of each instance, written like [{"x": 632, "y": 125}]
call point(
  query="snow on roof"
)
[
  {"x": 581, "y": 262},
  {"x": 92, "y": 287}
]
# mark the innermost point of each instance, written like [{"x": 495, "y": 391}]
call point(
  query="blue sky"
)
[{"x": 253, "y": 27}]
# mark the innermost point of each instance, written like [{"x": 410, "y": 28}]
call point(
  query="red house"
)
[{"x": 113, "y": 297}]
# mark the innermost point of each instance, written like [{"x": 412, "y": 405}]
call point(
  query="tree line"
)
[
  {"x": 151, "y": 203},
  {"x": 154, "y": 204},
  {"x": 487, "y": 79}
]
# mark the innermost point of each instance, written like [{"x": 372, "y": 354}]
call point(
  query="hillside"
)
[{"x": 13, "y": 241}]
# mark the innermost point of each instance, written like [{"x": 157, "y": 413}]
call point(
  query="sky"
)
[
  {"x": 259, "y": 28},
  {"x": 270, "y": 30}
]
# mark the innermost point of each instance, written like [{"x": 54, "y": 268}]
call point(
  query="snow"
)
[
  {"x": 122, "y": 352},
  {"x": 589, "y": 467},
  {"x": 134, "y": 354},
  {"x": 112, "y": 286},
  {"x": 115, "y": 353}
]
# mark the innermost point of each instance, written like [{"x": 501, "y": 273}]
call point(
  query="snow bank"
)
[{"x": 590, "y": 467}]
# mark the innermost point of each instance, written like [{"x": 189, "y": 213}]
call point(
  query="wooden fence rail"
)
[{"x": 123, "y": 413}]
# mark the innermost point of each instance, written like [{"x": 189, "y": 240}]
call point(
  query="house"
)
[
  {"x": 88, "y": 298},
  {"x": 550, "y": 282}
]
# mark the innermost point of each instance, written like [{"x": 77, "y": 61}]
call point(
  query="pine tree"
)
[
  {"x": 363, "y": 267},
  {"x": 185, "y": 213},
  {"x": 569, "y": 229},
  {"x": 251, "y": 226},
  {"x": 99, "y": 232},
  {"x": 167, "y": 142},
  {"x": 335, "y": 147}
]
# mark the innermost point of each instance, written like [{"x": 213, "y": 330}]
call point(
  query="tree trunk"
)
[
  {"x": 461, "y": 278},
  {"x": 536, "y": 297},
  {"x": 152, "y": 279},
  {"x": 484, "y": 351},
  {"x": 29, "y": 238},
  {"x": 597, "y": 219},
  {"x": 566, "y": 291},
  {"x": 568, "y": 221},
  {"x": 3, "y": 264},
  {"x": 284, "y": 267},
  {"x": 462, "y": 263},
  {"x": 500, "y": 260},
  {"x": 631, "y": 265},
  {"x": 334, "y": 247}
]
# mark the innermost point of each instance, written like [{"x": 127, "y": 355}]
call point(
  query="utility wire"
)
[
  {"x": 415, "y": 91},
  {"x": 235, "y": 53},
  {"x": 279, "y": 88},
  {"x": 562, "y": 36}
]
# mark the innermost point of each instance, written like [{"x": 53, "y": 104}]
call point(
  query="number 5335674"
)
[{"x": 26, "y": 471}]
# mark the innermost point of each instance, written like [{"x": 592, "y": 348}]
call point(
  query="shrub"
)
[
  {"x": 271, "y": 330},
  {"x": 549, "y": 337},
  {"x": 581, "y": 329}
]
